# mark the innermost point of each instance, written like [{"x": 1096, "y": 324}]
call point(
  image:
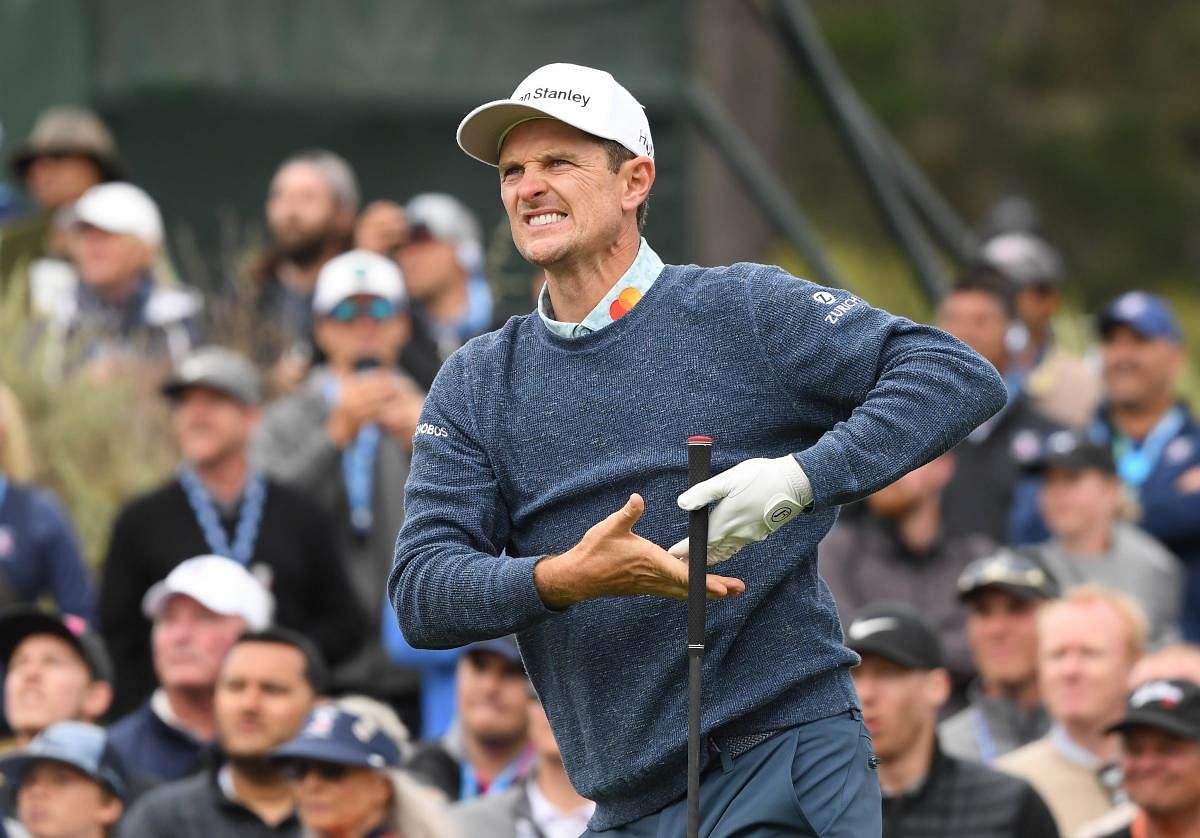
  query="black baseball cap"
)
[
  {"x": 1009, "y": 570},
  {"x": 1073, "y": 451},
  {"x": 898, "y": 632},
  {"x": 1172, "y": 706},
  {"x": 20, "y": 621}
]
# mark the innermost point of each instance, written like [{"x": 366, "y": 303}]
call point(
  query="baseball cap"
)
[
  {"x": 18, "y": 622},
  {"x": 120, "y": 208},
  {"x": 216, "y": 368},
  {"x": 437, "y": 215},
  {"x": 219, "y": 584},
  {"x": 1074, "y": 451},
  {"x": 1147, "y": 314},
  {"x": 585, "y": 98},
  {"x": 1008, "y": 570},
  {"x": 84, "y": 747},
  {"x": 335, "y": 734},
  {"x": 898, "y": 632},
  {"x": 358, "y": 272},
  {"x": 1026, "y": 259},
  {"x": 505, "y": 647},
  {"x": 1172, "y": 706},
  {"x": 69, "y": 129}
]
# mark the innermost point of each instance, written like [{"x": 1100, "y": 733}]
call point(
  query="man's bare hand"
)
[
  {"x": 612, "y": 560},
  {"x": 361, "y": 398}
]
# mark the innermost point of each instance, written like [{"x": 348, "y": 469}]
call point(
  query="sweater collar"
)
[{"x": 624, "y": 295}]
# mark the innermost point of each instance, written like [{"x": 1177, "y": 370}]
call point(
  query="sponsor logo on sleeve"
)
[
  {"x": 841, "y": 309},
  {"x": 428, "y": 429}
]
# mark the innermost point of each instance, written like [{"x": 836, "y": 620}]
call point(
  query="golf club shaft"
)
[{"x": 699, "y": 465}]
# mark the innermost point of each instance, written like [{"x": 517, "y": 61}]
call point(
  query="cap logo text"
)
[
  {"x": 1161, "y": 692},
  {"x": 549, "y": 93}
]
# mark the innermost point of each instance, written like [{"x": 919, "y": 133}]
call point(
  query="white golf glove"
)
[{"x": 754, "y": 498}]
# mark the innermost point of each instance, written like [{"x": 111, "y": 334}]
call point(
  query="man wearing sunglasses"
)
[{"x": 345, "y": 438}]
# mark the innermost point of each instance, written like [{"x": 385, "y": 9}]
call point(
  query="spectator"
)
[
  {"x": 1004, "y": 711},
  {"x": 490, "y": 739},
  {"x": 311, "y": 204},
  {"x": 56, "y": 669},
  {"x": 345, "y": 439},
  {"x": 38, "y": 552},
  {"x": 69, "y": 782},
  {"x": 1160, "y": 737},
  {"x": 69, "y": 151},
  {"x": 545, "y": 803},
  {"x": 219, "y": 504},
  {"x": 199, "y": 610},
  {"x": 989, "y": 492},
  {"x": 381, "y": 228},
  {"x": 1173, "y": 661},
  {"x": 1083, "y": 503},
  {"x": 1155, "y": 440},
  {"x": 442, "y": 263},
  {"x": 117, "y": 306},
  {"x": 437, "y": 668},
  {"x": 1060, "y": 385},
  {"x": 899, "y": 550},
  {"x": 344, "y": 768},
  {"x": 269, "y": 682},
  {"x": 1088, "y": 642},
  {"x": 927, "y": 793}
]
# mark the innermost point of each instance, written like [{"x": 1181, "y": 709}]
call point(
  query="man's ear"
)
[
  {"x": 639, "y": 177},
  {"x": 97, "y": 698}
]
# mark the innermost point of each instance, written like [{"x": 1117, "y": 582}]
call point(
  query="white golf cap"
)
[
  {"x": 588, "y": 99},
  {"x": 219, "y": 584},
  {"x": 354, "y": 273},
  {"x": 120, "y": 208}
]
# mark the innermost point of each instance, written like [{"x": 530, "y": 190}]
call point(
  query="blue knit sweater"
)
[{"x": 528, "y": 439}]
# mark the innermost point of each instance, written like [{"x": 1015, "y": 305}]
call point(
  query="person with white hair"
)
[{"x": 345, "y": 770}]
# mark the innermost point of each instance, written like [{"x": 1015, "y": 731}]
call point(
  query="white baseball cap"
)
[
  {"x": 445, "y": 218},
  {"x": 120, "y": 208},
  {"x": 588, "y": 99},
  {"x": 219, "y": 584},
  {"x": 358, "y": 272}
]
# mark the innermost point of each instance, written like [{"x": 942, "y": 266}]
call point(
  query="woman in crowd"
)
[
  {"x": 344, "y": 766},
  {"x": 38, "y": 551}
]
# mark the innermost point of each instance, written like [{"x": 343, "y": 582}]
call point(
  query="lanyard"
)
[
  {"x": 516, "y": 769},
  {"x": 1136, "y": 462},
  {"x": 358, "y": 468},
  {"x": 249, "y": 518},
  {"x": 983, "y": 736},
  {"x": 3, "y": 489}
]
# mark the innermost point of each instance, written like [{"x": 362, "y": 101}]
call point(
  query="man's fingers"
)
[
  {"x": 721, "y": 587},
  {"x": 628, "y": 515},
  {"x": 702, "y": 494}
]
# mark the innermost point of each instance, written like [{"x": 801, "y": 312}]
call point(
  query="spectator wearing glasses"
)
[
  {"x": 344, "y": 768},
  {"x": 344, "y": 438}
]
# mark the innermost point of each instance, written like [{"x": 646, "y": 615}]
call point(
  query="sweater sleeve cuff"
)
[{"x": 517, "y": 586}]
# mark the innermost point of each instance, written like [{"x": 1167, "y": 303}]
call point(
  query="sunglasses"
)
[
  {"x": 297, "y": 769},
  {"x": 347, "y": 311}
]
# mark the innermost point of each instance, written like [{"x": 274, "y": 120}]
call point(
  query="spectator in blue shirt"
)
[
  {"x": 436, "y": 668},
  {"x": 1155, "y": 440},
  {"x": 38, "y": 551}
]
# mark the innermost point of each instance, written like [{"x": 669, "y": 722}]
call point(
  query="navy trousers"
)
[{"x": 816, "y": 780}]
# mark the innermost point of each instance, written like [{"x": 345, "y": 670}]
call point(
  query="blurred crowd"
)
[{"x": 1026, "y": 606}]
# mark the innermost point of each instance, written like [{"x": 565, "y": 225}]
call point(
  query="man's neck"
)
[
  {"x": 552, "y": 782},
  {"x": 193, "y": 709},
  {"x": 302, "y": 279},
  {"x": 1024, "y": 693},
  {"x": 1105, "y": 747},
  {"x": 1089, "y": 543},
  {"x": 902, "y": 773},
  {"x": 919, "y": 527},
  {"x": 488, "y": 759},
  {"x": 225, "y": 479},
  {"x": 1184, "y": 823},
  {"x": 1136, "y": 421},
  {"x": 260, "y": 787},
  {"x": 576, "y": 286},
  {"x": 118, "y": 292}
]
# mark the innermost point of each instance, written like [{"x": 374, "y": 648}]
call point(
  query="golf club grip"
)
[{"x": 699, "y": 469}]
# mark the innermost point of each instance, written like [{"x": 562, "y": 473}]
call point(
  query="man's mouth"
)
[{"x": 546, "y": 218}]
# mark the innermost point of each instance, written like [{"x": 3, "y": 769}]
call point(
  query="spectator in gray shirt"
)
[
  {"x": 1002, "y": 593},
  {"x": 1083, "y": 503}
]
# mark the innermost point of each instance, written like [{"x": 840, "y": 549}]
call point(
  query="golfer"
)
[{"x": 550, "y": 468}]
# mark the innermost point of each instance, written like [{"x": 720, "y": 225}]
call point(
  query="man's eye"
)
[
  {"x": 559, "y": 163},
  {"x": 511, "y": 171}
]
